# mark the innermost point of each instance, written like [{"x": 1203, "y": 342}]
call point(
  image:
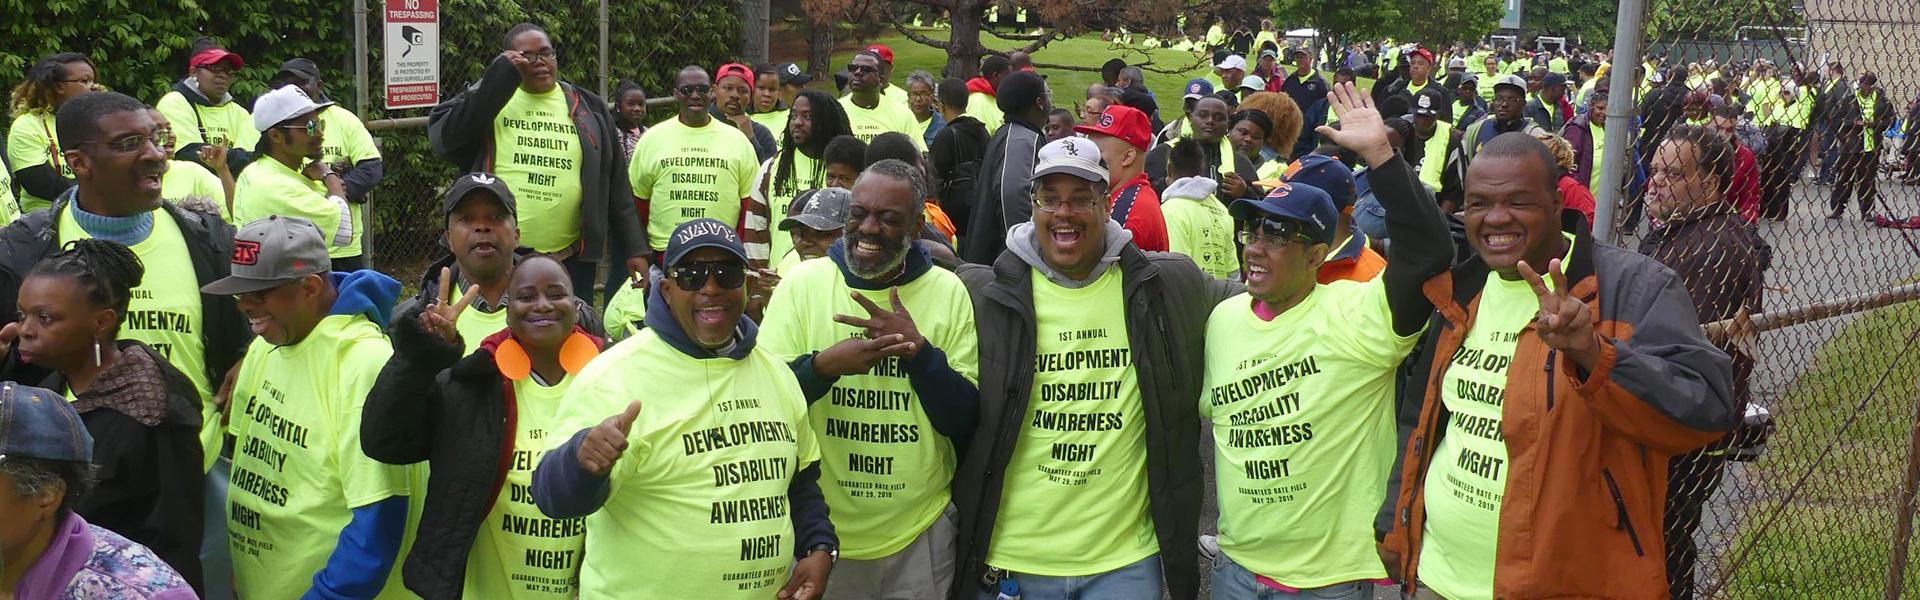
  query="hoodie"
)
[
  {"x": 370, "y": 543},
  {"x": 199, "y": 121},
  {"x": 1020, "y": 241}
]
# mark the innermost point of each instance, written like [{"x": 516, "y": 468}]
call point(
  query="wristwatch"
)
[{"x": 833, "y": 553}]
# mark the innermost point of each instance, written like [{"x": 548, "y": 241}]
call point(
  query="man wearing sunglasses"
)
[
  {"x": 869, "y": 110},
  {"x": 348, "y": 148},
  {"x": 716, "y": 471},
  {"x": 891, "y": 382},
  {"x": 696, "y": 167},
  {"x": 558, "y": 149},
  {"x": 115, "y": 150},
  {"x": 291, "y": 180},
  {"x": 310, "y": 515},
  {"x": 1300, "y": 378},
  {"x": 1083, "y": 477}
]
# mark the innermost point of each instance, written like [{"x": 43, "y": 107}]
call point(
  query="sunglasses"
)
[
  {"x": 1274, "y": 233},
  {"x": 693, "y": 276},
  {"x": 695, "y": 90},
  {"x": 862, "y": 69},
  {"x": 312, "y": 126}
]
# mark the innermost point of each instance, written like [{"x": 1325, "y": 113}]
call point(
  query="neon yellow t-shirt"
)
[
  {"x": 698, "y": 502},
  {"x": 476, "y": 326},
  {"x": 1302, "y": 411},
  {"x": 537, "y": 153},
  {"x": 886, "y": 470},
  {"x": 884, "y": 117},
  {"x": 1201, "y": 229},
  {"x": 187, "y": 179},
  {"x": 227, "y": 125},
  {"x": 807, "y": 174},
  {"x": 626, "y": 313},
  {"x": 688, "y": 173},
  {"x": 164, "y": 313},
  {"x": 1083, "y": 450},
  {"x": 788, "y": 262},
  {"x": 1599, "y": 150},
  {"x": 897, "y": 95},
  {"x": 1467, "y": 481},
  {"x": 347, "y": 140},
  {"x": 1868, "y": 103},
  {"x": 519, "y": 553},
  {"x": 8, "y": 209},
  {"x": 31, "y": 142},
  {"x": 776, "y": 122},
  {"x": 268, "y": 188},
  {"x": 298, "y": 471},
  {"x": 984, "y": 107}
]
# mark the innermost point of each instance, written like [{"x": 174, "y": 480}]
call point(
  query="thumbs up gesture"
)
[{"x": 606, "y": 441}]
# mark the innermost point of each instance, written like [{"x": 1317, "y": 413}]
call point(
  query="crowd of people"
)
[{"x": 902, "y": 337}]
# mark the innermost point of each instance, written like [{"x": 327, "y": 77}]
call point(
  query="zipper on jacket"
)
[
  {"x": 1621, "y": 506},
  {"x": 1551, "y": 355}
]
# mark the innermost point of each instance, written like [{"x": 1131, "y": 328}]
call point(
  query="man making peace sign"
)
[{"x": 1557, "y": 379}]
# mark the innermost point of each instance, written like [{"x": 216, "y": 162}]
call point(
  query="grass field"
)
[{"x": 1835, "y": 537}]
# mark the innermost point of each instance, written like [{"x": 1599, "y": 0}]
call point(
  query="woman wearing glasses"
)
[
  {"x": 289, "y": 179},
  {"x": 143, "y": 413},
  {"x": 33, "y": 149},
  {"x": 205, "y": 115}
]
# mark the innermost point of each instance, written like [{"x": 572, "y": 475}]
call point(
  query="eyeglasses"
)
[
  {"x": 547, "y": 54},
  {"x": 260, "y": 296},
  {"x": 695, "y": 90},
  {"x": 1053, "y": 205},
  {"x": 693, "y": 276},
  {"x": 312, "y": 126},
  {"x": 85, "y": 82},
  {"x": 135, "y": 143},
  {"x": 1273, "y": 233},
  {"x": 857, "y": 69}
]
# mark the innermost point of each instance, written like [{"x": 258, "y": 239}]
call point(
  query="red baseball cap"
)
[
  {"x": 1422, "y": 53},
  {"x": 213, "y": 56},
  {"x": 1121, "y": 121},
  {"x": 734, "y": 70},
  {"x": 885, "y": 53}
]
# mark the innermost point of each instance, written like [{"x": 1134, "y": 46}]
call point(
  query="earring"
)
[{"x": 96, "y": 353}]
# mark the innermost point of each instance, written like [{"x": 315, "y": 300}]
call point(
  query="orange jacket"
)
[{"x": 1587, "y": 453}]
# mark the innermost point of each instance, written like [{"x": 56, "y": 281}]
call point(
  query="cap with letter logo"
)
[
  {"x": 270, "y": 252},
  {"x": 1071, "y": 156},
  {"x": 703, "y": 233},
  {"x": 1121, "y": 121}
]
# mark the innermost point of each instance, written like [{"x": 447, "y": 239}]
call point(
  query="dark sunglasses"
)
[
  {"x": 693, "y": 276},
  {"x": 1273, "y": 232},
  {"x": 695, "y": 90},
  {"x": 312, "y": 126},
  {"x": 862, "y": 69}
]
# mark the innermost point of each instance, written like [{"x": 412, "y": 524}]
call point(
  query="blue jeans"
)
[
  {"x": 216, "y": 561},
  {"x": 1234, "y": 582},
  {"x": 1138, "y": 581},
  {"x": 1370, "y": 217}
]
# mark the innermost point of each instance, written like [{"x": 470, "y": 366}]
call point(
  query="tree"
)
[
  {"x": 1685, "y": 20},
  {"x": 1589, "y": 21},
  {"x": 1442, "y": 21}
]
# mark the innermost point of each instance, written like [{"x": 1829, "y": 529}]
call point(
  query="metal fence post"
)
[
  {"x": 1903, "y": 513},
  {"x": 603, "y": 56},
  {"x": 1620, "y": 121},
  {"x": 360, "y": 57}
]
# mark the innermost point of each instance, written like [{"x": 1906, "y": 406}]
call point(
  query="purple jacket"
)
[
  {"x": 86, "y": 561},
  {"x": 1579, "y": 134}
]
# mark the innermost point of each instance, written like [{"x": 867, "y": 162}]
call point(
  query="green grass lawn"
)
[{"x": 1836, "y": 536}]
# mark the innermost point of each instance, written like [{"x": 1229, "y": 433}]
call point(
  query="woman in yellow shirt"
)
[{"x": 33, "y": 149}]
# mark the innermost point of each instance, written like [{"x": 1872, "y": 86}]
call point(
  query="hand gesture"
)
[
  {"x": 215, "y": 157},
  {"x": 315, "y": 170},
  {"x": 8, "y": 334},
  {"x": 762, "y": 284},
  {"x": 809, "y": 578},
  {"x": 606, "y": 441},
  {"x": 1232, "y": 185},
  {"x": 1563, "y": 321},
  {"x": 443, "y": 318},
  {"x": 882, "y": 322},
  {"x": 518, "y": 59},
  {"x": 857, "y": 355},
  {"x": 1362, "y": 130},
  {"x": 637, "y": 272}
]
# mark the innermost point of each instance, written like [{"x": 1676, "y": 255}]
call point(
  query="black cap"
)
[
  {"x": 703, "y": 233},
  {"x": 482, "y": 181},
  {"x": 304, "y": 68},
  {"x": 790, "y": 74},
  {"x": 1553, "y": 80}
]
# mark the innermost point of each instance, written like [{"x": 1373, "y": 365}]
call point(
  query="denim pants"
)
[
  {"x": 1234, "y": 582},
  {"x": 1138, "y": 581}
]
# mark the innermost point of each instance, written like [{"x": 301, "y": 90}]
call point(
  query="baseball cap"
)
[
  {"x": 1300, "y": 51},
  {"x": 1421, "y": 53},
  {"x": 213, "y": 56},
  {"x": 1297, "y": 202},
  {"x": 282, "y": 104},
  {"x": 824, "y": 209},
  {"x": 1233, "y": 61},
  {"x": 790, "y": 74},
  {"x": 1456, "y": 63},
  {"x": 1198, "y": 88},
  {"x": 1511, "y": 80},
  {"x": 270, "y": 252},
  {"x": 882, "y": 51},
  {"x": 1469, "y": 79},
  {"x": 1554, "y": 80},
  {"x": 1121, "y": 121},
  {"x": 478, "y": 181},
  {"x": 1428, "y": 102},
  {"x": 1269, "y": 53},
  {"x": 1073, "y": 156},
  {"x": 38, "y": 423},
  {"x": 1253, "y": 82},
  {"x": 703, "y": 233},
  {"x": 298, "y": 67},
  {"x": 1326, "y": 175},
  {"x": 734, "y": 70}
]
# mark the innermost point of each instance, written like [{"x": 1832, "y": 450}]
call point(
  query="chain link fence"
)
[{"x": 1821, "y": 95}]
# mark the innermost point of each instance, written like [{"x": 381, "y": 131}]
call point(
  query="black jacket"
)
[
  {"x": 1851, "y": 137},
  {"x": 1659, "y": 112},
  {"x": 224, "y": 333},
  {"x": 149, "y": 479},
  {"x": 1003, "y": 192},
  {"x": 461, "y": 131},
  {"x": 957, "y": 151},
  {"x": 1168, "y": 300},
  {"x": 456, "y": 413}
]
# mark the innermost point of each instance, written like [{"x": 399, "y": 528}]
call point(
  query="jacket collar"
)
[
  {"x": 1356, "y": 241},
  {"x": 917, "y": 263},
  {"x": 660, "y": 320}
]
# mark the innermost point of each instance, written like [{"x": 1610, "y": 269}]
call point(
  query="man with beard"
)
[
  {"x": 869, "y": 111},
  {"x": 692, "y": 167},
  {"x": 1087, "y": 405},
  {"x": 289, "y": 179},
  {"x": 1233, "y": 170},
  {"x": 557, "y": 147},
  {"x": 891, "y": 383}
]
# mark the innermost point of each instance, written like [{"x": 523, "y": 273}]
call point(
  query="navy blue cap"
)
[
  {"x": 703, "y": 233},
  {"x": 1310, "y": 206},
  {"x": 1198, "y": 88},
  {"x": 38, "y": 423},
  {"x": 1326, "y": 173}
]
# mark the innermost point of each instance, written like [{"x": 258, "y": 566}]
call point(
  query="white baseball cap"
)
[
  {"x": 279, "y": 105},
  {"x": 1074, "y": 156},
  {"x": 1253, "y": 82},
  {"x": 1233, "y": 61}
]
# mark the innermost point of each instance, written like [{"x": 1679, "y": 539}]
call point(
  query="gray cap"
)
[
  {"x": 1074, "y": 156},
  {"x": 270, "y": 252},
  {"x": 823, "y": 209},
  {"x": 38, "y": 423}
]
